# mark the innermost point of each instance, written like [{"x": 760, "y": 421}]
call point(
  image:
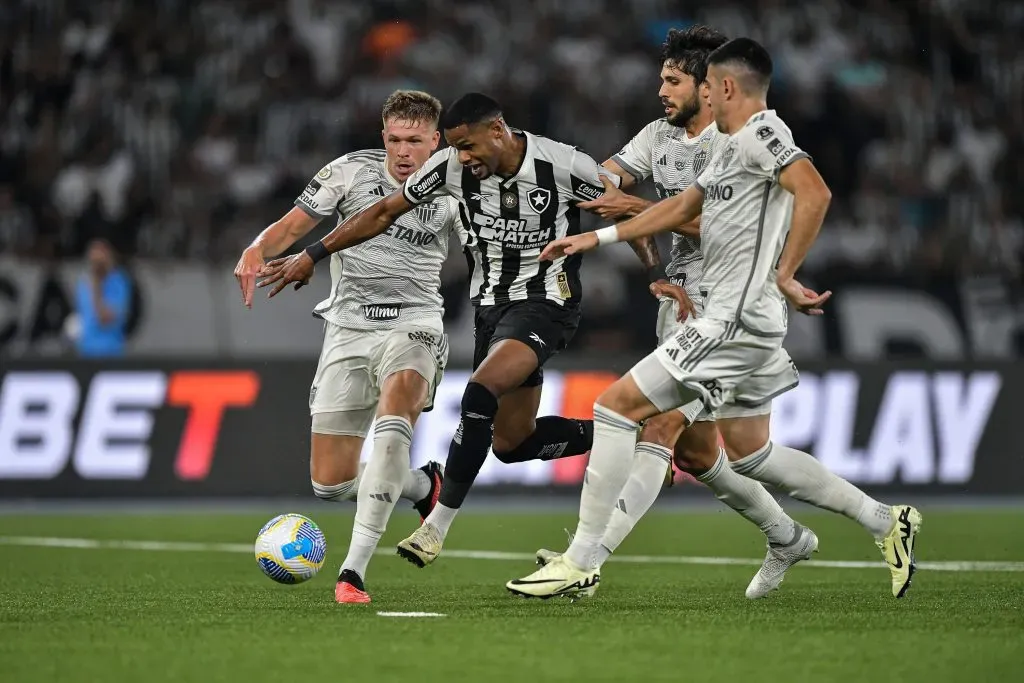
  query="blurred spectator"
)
[
  {"x": 103, "y": 297},
  {"x": 176, "y": 129}
]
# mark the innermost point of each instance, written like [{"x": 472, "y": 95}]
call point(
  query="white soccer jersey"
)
[
  {"x": 511, "y": 220},
  {"x": 394, "y": 279},
  {"x": 744, "y": 225},
  {"x": 675, "y": 161}
]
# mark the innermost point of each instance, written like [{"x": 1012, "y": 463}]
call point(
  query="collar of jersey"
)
[
  {"x": 522, "y": 162},
  {"x": 759, "y": 113}
]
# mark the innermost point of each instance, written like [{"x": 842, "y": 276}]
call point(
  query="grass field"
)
[{"x": 205, "y": 613}]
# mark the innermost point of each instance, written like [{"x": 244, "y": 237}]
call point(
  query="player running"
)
[
  {"x": 384, "y": 347},
  {"x": 675, "y": 150},
  {"x": 763, "y": 203},
  {"x": 517, "y": 192}
]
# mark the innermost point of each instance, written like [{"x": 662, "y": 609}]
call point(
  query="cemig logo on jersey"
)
[
  {"x": 428, "y": 183},
  {"x": 382, "y": 312},
  {"x": 540, "y": 198},
  {"x": 718, "y": 192}
]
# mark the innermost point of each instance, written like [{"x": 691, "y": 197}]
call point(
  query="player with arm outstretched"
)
[
  {"x": 673, "y": 151},
  {"x": 761, "y": 203},
  {"x": 384, "y": 347},
  {"x": 518, "y": 192}
]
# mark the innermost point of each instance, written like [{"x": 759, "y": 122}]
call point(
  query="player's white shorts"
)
[
  {"x": 713, "y": 368},
  {"x": 353, "y": 366}
]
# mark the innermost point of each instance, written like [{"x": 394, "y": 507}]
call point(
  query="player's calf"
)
[{"x": 553, "y": 437}]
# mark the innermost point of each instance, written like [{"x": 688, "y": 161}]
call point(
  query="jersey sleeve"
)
[
  {"x": 455, "y": 224},
  {"x": 327, "y": 188},
  {"x": 431, "y": 179},
  {"x": 767, "y": 147},
  {"x": 585, "y": 177},
  {"x": 635, "y": 157}
]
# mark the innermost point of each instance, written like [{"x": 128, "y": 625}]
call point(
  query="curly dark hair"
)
[{"x": 688, "y": 50}]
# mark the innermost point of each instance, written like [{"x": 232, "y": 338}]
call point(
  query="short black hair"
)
[
  {"x": 469, "y": 109},
  {"x": 749, "y": 54},
  {"x": 688, "y": 50}
]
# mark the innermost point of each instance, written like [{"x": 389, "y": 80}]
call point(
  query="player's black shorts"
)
[{"x": 543, "y": 326}]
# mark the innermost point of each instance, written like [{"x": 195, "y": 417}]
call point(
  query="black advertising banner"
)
[{"x": 240, "y": 429}]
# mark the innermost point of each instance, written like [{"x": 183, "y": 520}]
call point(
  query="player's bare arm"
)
[
  {"x": 365, "y": 225},
  {"x": 811, "y": 198},
  {"x": 661, "y": 217},
  {"x": 276, "y": 238}
]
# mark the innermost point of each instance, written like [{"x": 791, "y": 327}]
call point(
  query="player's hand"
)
[
  {"x": 297, "y": 268},
  {"x": 567, "y": 246},
  {"x": 614, "y": 203},
  {"x": 805, "y": 300},
  {"x": 665, "y": 289},
  {"x": 247, "y": 270}
]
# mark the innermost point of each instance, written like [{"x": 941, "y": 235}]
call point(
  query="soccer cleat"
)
[
  {"x": 544, "y": 556},
  {"x": 435, "y": 472},
  {"x": 423, "y": 546},
  {"x": 350, "y": 589},
  {"x": 779, "y": 559},
  {"x": 898, "y": 547},
  {"x": 557, "y": 577}
]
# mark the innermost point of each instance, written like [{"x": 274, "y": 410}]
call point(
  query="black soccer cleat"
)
[{"x": 435, "y": 471}]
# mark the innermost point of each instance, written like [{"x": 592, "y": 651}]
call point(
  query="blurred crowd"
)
[{"x": 179, "y": 128}]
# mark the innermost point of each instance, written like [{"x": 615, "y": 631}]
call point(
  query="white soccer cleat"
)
[
  {"x": 545, "y": 556},
  {"x": 558, "y": 577},
  {"x": 779, "y": 559},
  {"x": 898, "y": 547},
  {"x": 423, "y": 546}
]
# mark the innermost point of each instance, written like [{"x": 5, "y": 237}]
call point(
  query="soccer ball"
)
[{"x": 290, "y": 548}]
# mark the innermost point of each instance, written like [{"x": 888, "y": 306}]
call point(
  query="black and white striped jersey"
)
[{"x": 511, "y": 220}]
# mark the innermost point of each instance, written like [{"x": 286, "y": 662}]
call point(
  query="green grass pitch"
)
[{"x": 110, "y": 614}]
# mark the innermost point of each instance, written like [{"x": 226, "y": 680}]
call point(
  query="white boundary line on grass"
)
[{"x": 176, "y": 546}]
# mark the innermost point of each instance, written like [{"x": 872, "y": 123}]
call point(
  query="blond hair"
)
[{"x": 411, "y": 105}]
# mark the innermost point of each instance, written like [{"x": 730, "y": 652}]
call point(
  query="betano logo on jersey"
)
[{"x": 713, "y": 193}]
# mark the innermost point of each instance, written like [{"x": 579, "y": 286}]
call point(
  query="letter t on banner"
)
[{"x": 206, "y": 394}]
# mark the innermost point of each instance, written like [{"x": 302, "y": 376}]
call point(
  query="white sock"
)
[
  {"x": 750, "y": 499},
  {"x": 442, "y": 517},
  {"x": 379, "y": 489},
  {"x": 346, "y": 490},
  {"x": 803, "y": 477},
  {"x": 610, "y": 461},
  {"x": 646, "y": 478},
  {"x": 417, "y": 485}
]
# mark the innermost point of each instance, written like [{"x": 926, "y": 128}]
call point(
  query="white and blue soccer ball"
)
[{"x": 290, "y": 548}]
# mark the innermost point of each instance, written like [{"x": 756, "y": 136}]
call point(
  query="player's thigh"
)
[
  {"x": 342, "y": 401},
  {"x": 696, "y": 450},
  {"x": 745, "y": 420},
  {"x": 408, "y": 370},
  {"x": 516, "y": 417},
  {"x": 520, "y": 338}
]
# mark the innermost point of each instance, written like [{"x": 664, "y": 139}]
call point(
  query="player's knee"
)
[
  {"x": 509, "y": 446},
  {"x": 661, "y": 430},
  {"x": 695, "y": 455},
  {"x": 479, "y": 401}
]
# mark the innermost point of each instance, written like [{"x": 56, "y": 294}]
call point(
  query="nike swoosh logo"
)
[
  {"x": 898, "y": 564},
  {"x": 422, "y": 550}
]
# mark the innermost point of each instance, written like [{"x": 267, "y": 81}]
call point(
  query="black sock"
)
[
  {"x": 469, "y": 447},
  {"x": 555, "y": 437}
]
